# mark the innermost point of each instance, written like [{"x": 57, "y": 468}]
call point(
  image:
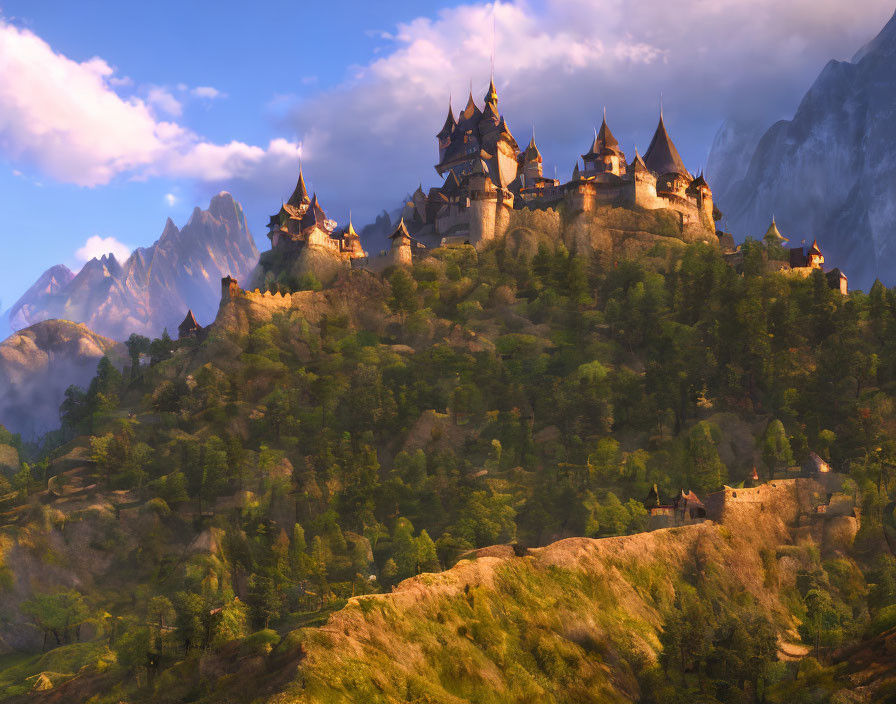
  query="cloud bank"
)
[
  {"x": 557, "y": 64},
  {"x": 96, "y": 247},
  {"x": 68, "y": 119},
  {"x": 370, "y": 140}
]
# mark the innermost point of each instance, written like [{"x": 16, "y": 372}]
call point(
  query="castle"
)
[
  {"x": 301, "y": 222},
  {"x": 490, "y": 183},
  {"x": 793, "y": 261},
  {"x": 487, "y": 176}
]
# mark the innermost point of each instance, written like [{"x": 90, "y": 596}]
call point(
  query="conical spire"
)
[
  {"x": 300, "y": 194},
  {"x": 450, "y": 122},
  {"x": 814, "y": 248},
  {"x": 491, "y": 95},
  {"x": 772, "y": 234},
  {"x": 470, "y": 110},
  {"x": 638, "y": 164},
  {"x": 400, "y": 231},
  {"x": 662, "y": 157},
  {"x": 606, "y": 136}
]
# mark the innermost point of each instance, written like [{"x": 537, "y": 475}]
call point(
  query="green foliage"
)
[
  {"x": 59, "y": 614},
  {"x": 483, "y": 397}
]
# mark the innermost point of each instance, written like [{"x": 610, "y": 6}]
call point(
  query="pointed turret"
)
[
  {"x": 605, "y": 136},
  {"x": 400, "y": 231},
  {"x": 532, "y": 152},
  {"x": 593, "y": 150},
  {"x": 350, "y": 232},
  {"x": 662, "y": 157},
  {"x": 489, "y": 115},
  {"x": 576, "y": 174},
  {"x": 491, "y": 95},
  {"x": 638, "y": 165},
  {"x": 314, "y": 216},
  {"x": 773, "y": 235},
  {"x": 189, "y": 327},
  {"x": 299, "y": 196},
  {"x": 814, "y": 256},
  {"x": 449, "y": 125},
  {"x": 814, "y": 250},
  {"x": 470, "y": 111}
]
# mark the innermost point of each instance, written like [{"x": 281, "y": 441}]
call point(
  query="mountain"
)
[
  {"x": 153, "y": 289},
  {"x": 830, "y": 172},
  {"x": 51, "y": 282},
  {"x": 39, "y": 363}
]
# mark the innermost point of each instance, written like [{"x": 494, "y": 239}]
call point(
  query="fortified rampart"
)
[{"x": 241, "y": 310}]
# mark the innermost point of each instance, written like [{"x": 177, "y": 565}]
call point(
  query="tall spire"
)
[
  {"x": 492, "y": 95},
  {"x": 300, "y": 194},
  {"x": 661, "y": 156},
  {"x": 608, "y": 141},
  {"x": 450, "y": 122}
]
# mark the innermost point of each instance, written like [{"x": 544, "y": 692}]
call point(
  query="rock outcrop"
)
[
  {"x": 39, "y": 363},
  {"x": 155, "y": 287},
  {"x": 829, "y": 173}
]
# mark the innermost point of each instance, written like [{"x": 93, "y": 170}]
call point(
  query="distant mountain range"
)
[
  {"x": 829, "y": 173},
  {"x": 155, "y": 287}
]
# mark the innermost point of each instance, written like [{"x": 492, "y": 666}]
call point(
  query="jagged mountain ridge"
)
[
  {"x": 830, "y": 172},
  {"x": 155, "y": 286}
]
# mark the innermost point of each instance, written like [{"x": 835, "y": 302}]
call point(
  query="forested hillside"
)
[{"x": 196, "y": 519}]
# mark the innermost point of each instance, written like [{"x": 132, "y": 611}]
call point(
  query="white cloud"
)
[
  {"x": 207, "y": 92},
  {"x": 96, "y": 247},
  {"x": 171, "y": 200},
  {"x": 557, "y": 63},
  {"x": 66, "y": 118},
  {"x": 162, "y": 100}
]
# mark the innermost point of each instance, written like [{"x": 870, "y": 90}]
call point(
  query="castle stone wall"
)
[{"x": 786, "y": 499}]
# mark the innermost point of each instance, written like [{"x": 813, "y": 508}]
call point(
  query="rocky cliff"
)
[
  {"x": 153, "y": 289},
  {"x": 828, "y": 173},
  {"x": 39, "y": 363}
]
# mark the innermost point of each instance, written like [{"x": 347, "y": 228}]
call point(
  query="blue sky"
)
[{"x": 115, "y": 116}]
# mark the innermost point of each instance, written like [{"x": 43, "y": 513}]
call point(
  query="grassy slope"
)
[{"x": 567, "y": 623}]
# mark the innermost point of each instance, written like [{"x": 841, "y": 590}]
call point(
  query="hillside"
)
[
  {"x": 39, "y": 363},
  {"x": 431, "y": 485}
]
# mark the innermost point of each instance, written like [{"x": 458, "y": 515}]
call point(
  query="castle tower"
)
[
  {"x": 814, "y": 256},
  {"x": 188, "y": 328},
  {"x": 351, "y": 242},
  {"x": 700, "y": 191},
  {"x": 532, "y": 163},
  {"x": 483, "y": 202},
  {"x": 444, "y": 135},
  {"x": 604, "y": 156},
  {"x": 663, "y": 159},
  {"x": 773, "y": 235},
  {"x": 229, "y": 288},
  {"x": 299, "y": 195},
  {"x": 401, "y": 252},
  {"x": 644, "y": 184}
]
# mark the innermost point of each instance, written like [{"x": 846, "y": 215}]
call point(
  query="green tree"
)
[
  {"x": 59, "y": 613},
  {"x": 776, "y": 452},
  {"x": 189, "y": 610},
  {"x": 427, "y": 560},
  {"x": 404, "y": 299},
  {"x": 137, "y": 345},
  {"x": 264, "y": 600},
  {"x": 707, "y": 471}
]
